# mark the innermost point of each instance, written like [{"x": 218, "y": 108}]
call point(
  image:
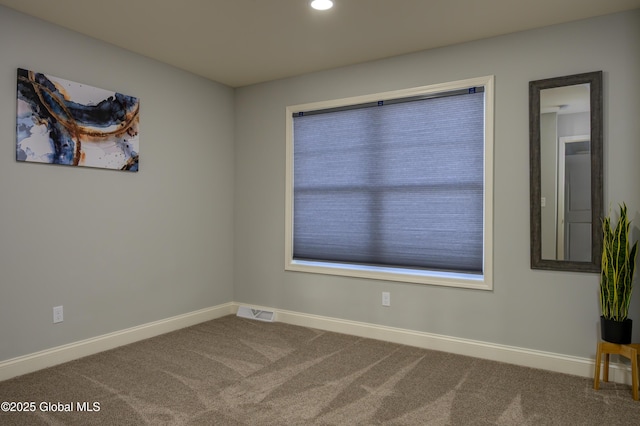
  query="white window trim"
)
[{"x": 482, "y": 282}]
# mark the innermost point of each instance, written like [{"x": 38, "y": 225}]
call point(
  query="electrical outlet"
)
[
  {"x": 386, "y": 298},
  {"x": 58, "y": 315}
]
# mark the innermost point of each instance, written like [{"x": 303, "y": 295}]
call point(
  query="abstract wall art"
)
[{"x": 68, "y": 123}]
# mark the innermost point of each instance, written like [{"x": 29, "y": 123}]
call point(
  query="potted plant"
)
[{"x": 616, "y": 279}]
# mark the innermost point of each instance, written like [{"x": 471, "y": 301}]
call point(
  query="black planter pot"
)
[{"x": 616, "y": 331}]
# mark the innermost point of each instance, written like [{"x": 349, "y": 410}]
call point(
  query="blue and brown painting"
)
[{"x": 62, "y": 122}]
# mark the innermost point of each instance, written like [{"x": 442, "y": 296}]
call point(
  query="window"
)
[{"x": 394, "y": 186}]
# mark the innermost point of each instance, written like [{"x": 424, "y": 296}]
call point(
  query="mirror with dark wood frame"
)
[{"x": 565, "y": 131}]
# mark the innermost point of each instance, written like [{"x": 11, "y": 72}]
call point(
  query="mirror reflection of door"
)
[
  {"x": 565, "y": 173},
  {"x": 574, "y": 199}
]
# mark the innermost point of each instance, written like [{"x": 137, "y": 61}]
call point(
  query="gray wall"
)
[
  {"x": 542, "y": 310},
  {"x": 115, "y": 249},
  {"x": 574, "y": 124},
  {"x": 202, "y": 223},
  {"x": 548, "y": 183}
]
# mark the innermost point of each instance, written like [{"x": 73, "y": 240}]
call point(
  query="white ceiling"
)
[{"x": 242, "y": 42}]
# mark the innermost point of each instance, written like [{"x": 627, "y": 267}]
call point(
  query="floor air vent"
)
[{"x": 257, "y": 314}]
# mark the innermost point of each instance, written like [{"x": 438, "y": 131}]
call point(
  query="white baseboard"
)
[
  {"x": 550, "y": 361},
  {"x": 58, "y": 355},
  {"x": 560, "y": 363}
]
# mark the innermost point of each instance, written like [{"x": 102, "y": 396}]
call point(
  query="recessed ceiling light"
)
[{"x": 322, "y": 4}]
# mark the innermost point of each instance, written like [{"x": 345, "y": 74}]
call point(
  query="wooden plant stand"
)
[{"x": 628, "y": 351}]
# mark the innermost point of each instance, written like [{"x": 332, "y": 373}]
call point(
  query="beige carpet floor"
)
[{"x": 234, "y": 371}]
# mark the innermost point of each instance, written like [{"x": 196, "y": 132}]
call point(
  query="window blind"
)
[{"x": 399, "y": 184}]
